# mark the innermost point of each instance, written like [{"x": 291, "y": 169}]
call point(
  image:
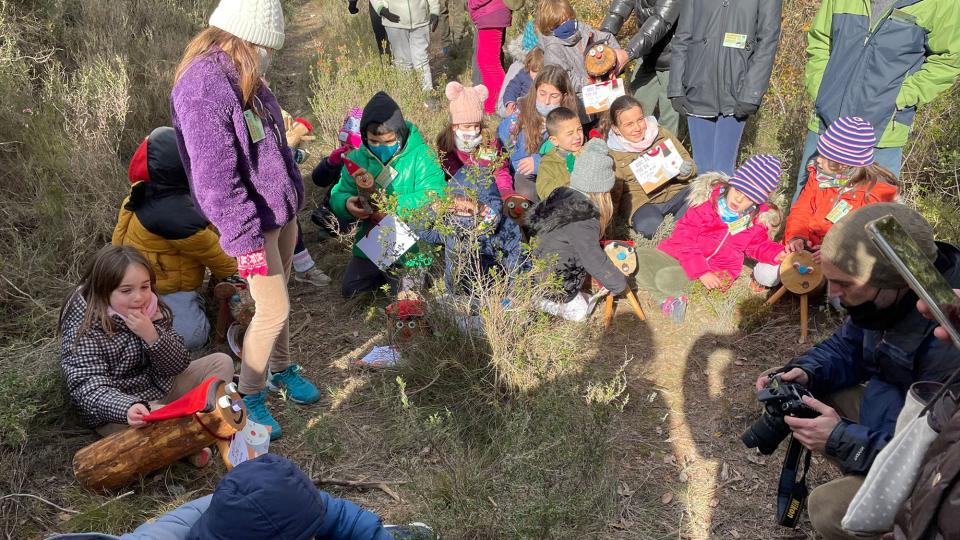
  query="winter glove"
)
[
  {"x": 352, "y": 7},
  {"x": 681, "y": 104},
  {"x": 253, "y": 263},
  {"x": 388, "y": 15},
  {"x": 742, "y": 110},
  {"x": 685, "y": 169},
  {"x": 336, "y": 157},
  {"x": 434, "y": 22}
]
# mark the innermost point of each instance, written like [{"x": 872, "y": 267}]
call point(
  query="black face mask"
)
[{"x": 869, "y": 317}]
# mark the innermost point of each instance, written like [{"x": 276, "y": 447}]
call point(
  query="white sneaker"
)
[{"x": 313, "y": 276}]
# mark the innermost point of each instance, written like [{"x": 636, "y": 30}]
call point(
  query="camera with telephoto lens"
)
[{"x": 779, "y": 398}]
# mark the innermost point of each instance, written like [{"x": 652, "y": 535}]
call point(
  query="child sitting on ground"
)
[
  {"x": 328, "y": 171},
  {"x": 267, "y": 498},
  {"x": 396, "y": 155},
  {"x": 118, "y": 351},
  {"x": 560, "y": 152},
  {"x": 630, "y": 135},
  {"x": 519, "y": 85},
  {"x": 726, "y": 219},
  {"x": 467, "y": 140},
  {"x": 524, "y": 132},
  {"x": 159, "y": 219},
  {"x": 569, "y": 225},
  {"x": 843, "y": 177}
]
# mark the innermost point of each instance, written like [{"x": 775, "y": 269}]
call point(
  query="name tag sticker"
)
[
  {"x": 739, "y": 225},
  {"x": 840, "y": 209},
  {"x": 735, "y": 41},
  {"x": 254, "y": 126}
]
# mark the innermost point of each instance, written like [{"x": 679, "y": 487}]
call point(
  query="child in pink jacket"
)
[{"x": 727, "y": 219}]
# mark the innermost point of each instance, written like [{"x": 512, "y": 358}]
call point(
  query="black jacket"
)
[
  {"x": 888, "y": 361},
  {"x": 715, "y": 77},
  {"x": 567, "y": 225},
  {"x": 656, "y": 21}
]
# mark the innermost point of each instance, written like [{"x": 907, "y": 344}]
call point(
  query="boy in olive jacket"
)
[{"x": 413, "y": 175}]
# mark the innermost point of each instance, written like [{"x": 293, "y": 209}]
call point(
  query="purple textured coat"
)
[
  {"x": 489, "y": 14},
  {"x": 243, "y": 188}
]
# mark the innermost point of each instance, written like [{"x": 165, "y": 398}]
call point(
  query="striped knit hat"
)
[
  {"x": 849, "y": 140},
  {"x": 757, "y": 178}
]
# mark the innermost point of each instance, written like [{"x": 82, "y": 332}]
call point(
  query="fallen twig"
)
[
  {"x": 301, "y": 327},
  {"x": 382, "y": 485},
  {"x": 39, "y": 498}
]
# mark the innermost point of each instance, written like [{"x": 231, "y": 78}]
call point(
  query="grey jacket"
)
[
  {"x": 656, "y": 22},
  {"x": 569, "y": 53},
  {"x": 714, "y": 77}
]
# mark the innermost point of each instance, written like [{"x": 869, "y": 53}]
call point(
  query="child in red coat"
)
[
  {"x": 842, "y": 178},
  {"x": 727, "y": 219}
]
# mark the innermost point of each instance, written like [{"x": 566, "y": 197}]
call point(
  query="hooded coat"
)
[
  {"x": 160, "y": 220},
  {"x": 567, "y": 225},
  {"x": 702, "y": 242},
  {"x": 569, "y": 53},
  {"x": 416, "y": 172}
]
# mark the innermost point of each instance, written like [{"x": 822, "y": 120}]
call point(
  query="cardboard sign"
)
[
  {"x": 598, "y": 97},
  {"x": 657, "y": 166},
  {"x": 387, "y": 242}
]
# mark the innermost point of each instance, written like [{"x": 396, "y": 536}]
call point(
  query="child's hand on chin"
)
[
  {"x": 135, "y": 415},
  {"x": 142, "y": 326}
]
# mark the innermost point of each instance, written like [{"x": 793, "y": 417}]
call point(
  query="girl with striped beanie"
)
[
  {"x": 842, "y": 178},
  {"x": 728, "y": 219}
]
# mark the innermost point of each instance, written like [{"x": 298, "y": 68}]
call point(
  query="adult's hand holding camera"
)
[
  {"x": 795, "y": 375},
  {"x": 924, "y": 310},
  {"x": 813, "y": 433}
]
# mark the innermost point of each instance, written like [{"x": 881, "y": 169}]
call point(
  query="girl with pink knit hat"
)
[{"x": 467, "y": 140}]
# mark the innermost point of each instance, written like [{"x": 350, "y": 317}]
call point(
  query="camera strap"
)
[{"x": 792, "y": 491}]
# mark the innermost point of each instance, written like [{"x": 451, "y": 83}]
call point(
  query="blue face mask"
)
[
  {"x": 544, "y": 110},
  {"x": 566, "y": 29},
  {"x": 385, "y": 152},
  {"x": 726, "y": 214}
]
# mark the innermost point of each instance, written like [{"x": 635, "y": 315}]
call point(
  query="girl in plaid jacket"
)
[{"x": 119, "y": 353}]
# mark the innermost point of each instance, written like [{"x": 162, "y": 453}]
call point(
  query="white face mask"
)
[
  {"x": 264, "y": 56},
  {"x": 467, "y": 140}
]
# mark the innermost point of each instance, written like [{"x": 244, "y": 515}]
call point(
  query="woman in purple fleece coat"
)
[{"x": 245, "y": 181}]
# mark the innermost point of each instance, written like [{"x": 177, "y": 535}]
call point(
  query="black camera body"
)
[{"x": 779, "y": 399}]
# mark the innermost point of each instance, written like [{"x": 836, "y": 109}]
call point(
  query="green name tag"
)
[
  {"x": 735, "y": 41},
  {"x": 739, "y": 225},
  {"x": 254, "y": 126},
  {"x": 839, "y": 210}
]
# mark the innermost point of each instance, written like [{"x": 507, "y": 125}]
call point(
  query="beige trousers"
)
[
  {"x": 267, "y": 340},
  {"x": 217, "y": 365}
]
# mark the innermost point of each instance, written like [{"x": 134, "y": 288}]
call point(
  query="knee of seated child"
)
[
  {"x": 767, "y": 275},
  {"x": 221, "y": 366},
  {"x": 646, "y": 223}
]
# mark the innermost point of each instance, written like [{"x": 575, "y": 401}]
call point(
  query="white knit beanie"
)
[{"x": 258, "y": 21}]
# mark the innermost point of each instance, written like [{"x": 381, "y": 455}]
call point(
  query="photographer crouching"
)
[{"x": 860, "y": 375}]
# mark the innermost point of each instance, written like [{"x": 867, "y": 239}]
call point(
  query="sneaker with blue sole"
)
[
  {"x": 257, "y": 411},
  {"x": 297, "y": 388}
]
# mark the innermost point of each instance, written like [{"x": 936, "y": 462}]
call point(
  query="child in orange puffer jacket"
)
[{"x": 843, "y": 177}]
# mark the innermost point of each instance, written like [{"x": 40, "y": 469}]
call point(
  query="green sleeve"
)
[
  {"x": 940, "y": 70},
  {"x": 818, "y": 47},
  {"x": 428, "y": 178},
  {"x": 340, "y": 192}
]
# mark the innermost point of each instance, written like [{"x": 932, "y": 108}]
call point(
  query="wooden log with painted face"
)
[{"x": 121, "y": 458}]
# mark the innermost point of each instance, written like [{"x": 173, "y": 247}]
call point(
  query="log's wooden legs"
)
[
  {"x": 777, "y": 295},
  {"x": 635, "y": 304},
  {"x": 608, "y": 309},
  {"x": 804, "y": 316},
  {"x": 222, "y": 292}
]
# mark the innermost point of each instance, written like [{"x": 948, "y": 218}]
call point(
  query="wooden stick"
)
[
  {"x": 777, "y": 295},
  {"x": 608, "y": 309},
  {"x": 41, "y": 499},
  {"x": 382, "y": 485},
  {"x": 635, "y": 304},
  {"x": 804, "y": 315}
]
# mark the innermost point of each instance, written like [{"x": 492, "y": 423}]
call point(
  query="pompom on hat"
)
[
  {"x": 849, "y": 141},
  {"x": 466, "y": 102},
  {"x": 757, "y": 177},
  {"x": 257, "y": 21}
]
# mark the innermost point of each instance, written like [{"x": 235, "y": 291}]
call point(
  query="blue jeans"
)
[
  {"x": 715, "y": 142},
  {"x": 888, "y": 158}
]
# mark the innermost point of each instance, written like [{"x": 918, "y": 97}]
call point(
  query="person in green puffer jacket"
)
[{"x": 389, "y": 142}]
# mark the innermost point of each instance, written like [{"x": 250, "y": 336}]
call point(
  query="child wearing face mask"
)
[
  {"x": 564, "y": 40},
  {"x": 630, "y": 134},
  {"x": 727, "y": 219},
  {"x": 523, "y": 133},
  {"x": 560, "y": 151},
  {"x": 467, "y": 140},
  {"x": 394, "y": 152},
  {"x": 119, "y": 353},
  {"x": 842, "y": 178}
]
